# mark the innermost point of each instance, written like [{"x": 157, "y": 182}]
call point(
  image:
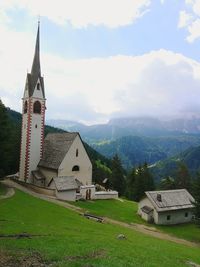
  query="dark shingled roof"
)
[
  {"x": 170, "y": 199},
  {"x": 35, "y": 74},
  {"x": 56, "y": 146}
]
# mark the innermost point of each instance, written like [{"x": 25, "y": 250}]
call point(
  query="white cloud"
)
[
  {"x": 184, "y": 19},
  {"x": 82, "y": 13},
  {"x": 194, "y": 30},
  {"x": 191, "y": 21},
  {"x": 92, "y": 90}
]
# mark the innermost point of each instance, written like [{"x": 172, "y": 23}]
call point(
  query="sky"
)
[{"x": 103, "y": 59}]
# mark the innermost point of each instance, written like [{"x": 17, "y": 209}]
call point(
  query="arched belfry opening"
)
[
  {"x": 25, "y": 107},
  {"x": 37, "y": 107}
]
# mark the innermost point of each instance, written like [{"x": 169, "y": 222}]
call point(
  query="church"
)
[{"x": 59, "y": 161}]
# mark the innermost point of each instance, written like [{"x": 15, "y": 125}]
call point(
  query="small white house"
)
[
  {"x": 167, "y": 207},
  {"x": 65, "y": 187}
]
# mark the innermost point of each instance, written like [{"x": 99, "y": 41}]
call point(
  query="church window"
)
[
  {"x": 25, "y": 107},
  {"x": 77, "y": 152},
  {"x": 38, "y": 86},
  {"x": 37, "y": 107},
  {"x": 75, "y": 168},
  {"x": 36, "y": 126},
  {"x": 168, "y": 217}
]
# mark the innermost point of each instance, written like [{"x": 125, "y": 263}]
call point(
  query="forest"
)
[{"x": 130, "y": 183}]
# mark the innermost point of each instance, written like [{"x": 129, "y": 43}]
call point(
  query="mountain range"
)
[
  {"x": 158, "y": 142},
  {"x": 138, "y": 126}
]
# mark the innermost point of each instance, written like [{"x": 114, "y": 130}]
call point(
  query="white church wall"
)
[
  {"x": 84, "y": 175},
  {"x": 69, "y": 195},
  {"x": 106, "y": 195},
  {"x": 35, "y": 141},
  {"x": 88, "y": 189},
  {"x": 23, "y": 147},
  {"x": 38, "y": 91}
]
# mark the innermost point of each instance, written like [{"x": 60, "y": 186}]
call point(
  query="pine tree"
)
[
  {"x": 148, "y": 178},
  {"x": 143, "y": 182},
  {"x": 9, "y": 143},
  {"x": 182, "y": 179},
  {"x": 117, "y": 177},
  {"x": 138, "y": 191},
  {"x": 167, "y": 183},
  {"x": 196, "y": 194},
  {"x": 130, "y": 184}
]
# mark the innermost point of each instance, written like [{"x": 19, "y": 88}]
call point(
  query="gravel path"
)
[
  {"x": 9, "y": 193},
  {"x": 151, "y": 231}
]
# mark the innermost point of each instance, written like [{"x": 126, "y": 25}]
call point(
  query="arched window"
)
[
  {"x": 75, "y": 168},
  {"x": 77, "y": 152},
  {"x": 25, "y": 107},
  {"x": 37, "y": 107},
  {"x": 38, "y": 86}
]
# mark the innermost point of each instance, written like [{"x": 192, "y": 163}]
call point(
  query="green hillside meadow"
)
[{"x": 64, "y": 238}]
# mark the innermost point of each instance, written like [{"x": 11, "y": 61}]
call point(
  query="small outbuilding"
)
[
  {"x": 65, "y": 187},
  {"x": 167, "y": 207}
]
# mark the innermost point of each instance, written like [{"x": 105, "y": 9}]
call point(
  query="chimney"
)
[{"x": 159, "y": 198}]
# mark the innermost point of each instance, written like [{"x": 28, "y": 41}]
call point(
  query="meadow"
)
[
  {"x": 126, "y": 211},
  {"x": 65, "y": 238}
]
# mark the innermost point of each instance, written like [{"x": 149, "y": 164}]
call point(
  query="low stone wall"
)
[
  {"x": 106, "y": 195},
  {"x": 37, "y": 189}
]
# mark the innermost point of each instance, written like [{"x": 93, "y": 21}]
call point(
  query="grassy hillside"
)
[
  {"x": 135, "y": 150},
  {"x": 64, "y": 238},
  {"x": 126, "y": 211},
  {"x": 190, "y": 157}
]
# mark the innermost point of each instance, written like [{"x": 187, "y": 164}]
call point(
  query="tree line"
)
[{"x": 131, "y": 185}]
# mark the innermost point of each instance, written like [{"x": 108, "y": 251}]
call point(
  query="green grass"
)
[
  {"x": 65, "y": 233},
  {"x": 2, "y": 189},
  {"x": 126, "y": 211}
]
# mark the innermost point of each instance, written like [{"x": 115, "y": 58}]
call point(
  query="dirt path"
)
[
  {"x": 151, "y": 231},
  {"x": 9, "y": 193}
]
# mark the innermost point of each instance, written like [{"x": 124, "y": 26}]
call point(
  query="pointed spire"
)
[{"x": 35, "y": 70}]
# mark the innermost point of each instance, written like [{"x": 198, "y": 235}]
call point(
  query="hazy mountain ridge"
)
[
  {"x": 141, "y": 126},
  {"x": 135, "y": 150}
]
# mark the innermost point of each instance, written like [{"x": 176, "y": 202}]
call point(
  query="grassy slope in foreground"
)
[
  {"x": 3, "y": 189},
  {"x": 65, "y": 233},
  {"x": 126, "y": 211}
]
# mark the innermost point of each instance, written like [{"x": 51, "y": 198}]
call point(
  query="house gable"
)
[{"x": 77, "y": 163}]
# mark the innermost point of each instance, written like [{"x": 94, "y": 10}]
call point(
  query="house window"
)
[
  {"x": 186, "y": 214},
  {"x": 75, "y": 168},
  {"x": 168, "y": 217},
  {"x": 76, "y": 152},
  {"x": 37, "y": 107},
  {"x": 38, "y": 86},
  {"x": 25, "y": 107}
]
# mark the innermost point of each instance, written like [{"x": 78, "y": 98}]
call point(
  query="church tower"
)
[{"x": 33, "y": 117}]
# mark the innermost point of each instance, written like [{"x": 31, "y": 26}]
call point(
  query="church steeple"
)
[
  {"x": 35, "y": 70},
  {"x": 33, "y": 117},
  {"x": 35, "y": 76}
]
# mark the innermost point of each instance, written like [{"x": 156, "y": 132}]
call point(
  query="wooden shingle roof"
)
[
  {"x": 56, "y": 146},
  {"x": 65, "y": 183},
  {"x": 170, "y": 199}
]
